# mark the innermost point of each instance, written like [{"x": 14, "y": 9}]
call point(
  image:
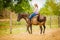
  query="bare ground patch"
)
[{"x": 51, "y": 34}]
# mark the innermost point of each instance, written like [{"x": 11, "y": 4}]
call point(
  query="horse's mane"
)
[{"x": 24, "y": 14}]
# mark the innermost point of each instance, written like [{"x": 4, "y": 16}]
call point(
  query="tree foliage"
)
[
  {"x": 22, "y": 6},
  {"x": 50, "y": 8},
  {"x": 4, "y": 4},
  {"x": 1, "y": 5}
]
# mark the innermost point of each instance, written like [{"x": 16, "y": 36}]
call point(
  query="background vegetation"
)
[{"x": 51, "y": 10}]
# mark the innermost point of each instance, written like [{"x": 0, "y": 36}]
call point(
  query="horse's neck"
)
[{"x": 26, "y": 19}]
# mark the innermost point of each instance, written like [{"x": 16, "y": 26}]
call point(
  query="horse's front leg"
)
[
  {"x": 28, "y": 29},
  {"x": 31, "y": 29}
]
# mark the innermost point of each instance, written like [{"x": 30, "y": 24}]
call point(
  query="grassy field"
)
[{"x": 20, "y": 27}]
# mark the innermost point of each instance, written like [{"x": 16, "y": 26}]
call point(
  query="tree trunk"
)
[
  {"x": 58, "y": 21},
  {"x": 10, "y": 22},
  {"x": 50, "y": 21}
]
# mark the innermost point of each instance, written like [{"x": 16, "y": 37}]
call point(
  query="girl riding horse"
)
[
  {"x": 35, "y": 12},
  {"x": 32, "y": 20},
  {"x": 37, "y": 20}
]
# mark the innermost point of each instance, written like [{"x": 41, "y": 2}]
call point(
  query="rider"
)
[{"x": 35, "y": 12}]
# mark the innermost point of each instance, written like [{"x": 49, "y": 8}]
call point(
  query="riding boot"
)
[{"x": 30, "y": 20}]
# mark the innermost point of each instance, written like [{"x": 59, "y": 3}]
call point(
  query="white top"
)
[{"x": 36, "y": 10}]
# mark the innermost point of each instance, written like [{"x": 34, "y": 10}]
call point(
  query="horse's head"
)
[
  {"x": 22, "y": 15},
  {"x": 19, "y": 17}
]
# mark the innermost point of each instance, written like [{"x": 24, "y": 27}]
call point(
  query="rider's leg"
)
[{"x": 32, "y": 15}]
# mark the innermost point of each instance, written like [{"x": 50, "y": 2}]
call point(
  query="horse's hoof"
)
[
  {"x": 30, "y": 33},
  {"x": 41, "y": 33}
]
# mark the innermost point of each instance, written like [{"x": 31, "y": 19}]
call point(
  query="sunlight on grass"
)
[{"x": 4, "y": 23}]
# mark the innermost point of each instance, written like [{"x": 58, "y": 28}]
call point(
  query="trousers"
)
[{"x": 32, "y": 15}]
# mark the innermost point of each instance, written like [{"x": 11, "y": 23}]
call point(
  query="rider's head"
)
[{"x": 36, "y": 5}]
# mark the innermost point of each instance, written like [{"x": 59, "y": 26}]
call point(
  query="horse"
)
[{"x": 36, "y": 20}]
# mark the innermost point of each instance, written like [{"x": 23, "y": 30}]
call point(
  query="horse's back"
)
[{"x": 35, "y": 20}]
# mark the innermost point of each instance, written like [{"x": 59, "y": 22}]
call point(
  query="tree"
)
[
  {"x": 51, "y": 8},
  {"x": 22, "y": 6},
  {"x": 1, "y": 6},
  {"x": 58, "y": 13},
  {"x": 4, "y": 4}
]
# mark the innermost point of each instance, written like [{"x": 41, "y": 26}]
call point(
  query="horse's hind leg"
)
[
  {"x": 41, "y": 29},
  {"x": 44, "y": 28}
]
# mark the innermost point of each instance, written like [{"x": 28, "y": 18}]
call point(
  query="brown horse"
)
[{"x": 37, "y": 20}]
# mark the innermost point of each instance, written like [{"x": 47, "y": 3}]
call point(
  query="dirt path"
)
[{"x": 51, "y": 34}]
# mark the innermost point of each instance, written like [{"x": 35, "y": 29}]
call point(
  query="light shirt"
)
[{"x": 36, "y": 10}]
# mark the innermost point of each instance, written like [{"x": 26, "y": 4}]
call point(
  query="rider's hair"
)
[{"x": 36, "y": 5}]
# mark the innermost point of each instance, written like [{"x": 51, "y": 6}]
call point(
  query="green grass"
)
[
  {"x": 15, "y": 30},
  {"x": 4, "y": 23}
]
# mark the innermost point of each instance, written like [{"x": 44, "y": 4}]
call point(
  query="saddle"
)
[
  {"x": 40, "y": 18},
  {"x": 36, "y": 19}
]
